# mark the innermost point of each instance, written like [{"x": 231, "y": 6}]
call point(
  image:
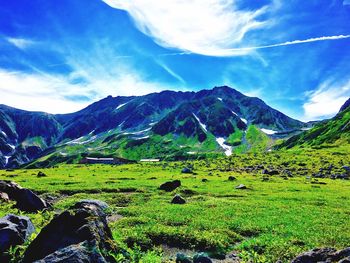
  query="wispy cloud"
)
[
  {"x": 172, "y": 73},
  {"x": 207, "y": 27},
  {"x": 20, "y": 43},
  {"x": 326, "y": 100}
]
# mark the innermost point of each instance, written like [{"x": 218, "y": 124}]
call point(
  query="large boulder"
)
[
  {"x": 74, "y": 253},
  {"x": 75, "y": 232},
  {"x": 14, "y": 230},
  {"x": 25, "y": 199},
  {"x": 170, "y": 186},
  {"x": 323, "y": 255},
  {"x": 177, "y": 199}
]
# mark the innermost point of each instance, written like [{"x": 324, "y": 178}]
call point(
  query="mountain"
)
[
  {"x": 168, "y": 125},
  {"x": 335, "y": 131}
]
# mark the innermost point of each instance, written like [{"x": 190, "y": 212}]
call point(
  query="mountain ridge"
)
[{"x": 206, "y": 121}]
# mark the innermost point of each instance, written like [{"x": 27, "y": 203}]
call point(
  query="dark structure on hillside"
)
[{"x": 105, "y": 160}]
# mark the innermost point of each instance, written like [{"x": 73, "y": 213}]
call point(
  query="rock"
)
[
  {"x": 86, "y": 223},
  {"x": 14, "y": 230},
  {"x": 4, "y": 197},
  {"x": 182, "y": 258},
  {"x": 74, "y": 253},
  {"x": 186, "y": 170},
  {"x": 25, "y": 199},
  {"x": 102, "y": 205},
  {"x": 346, "y": 168},
  {"x": 322, "y": 255},
  {"x": 201, "y": 258},
  {"x": 345, "y": 260},
  {"x": 272, "y": 172},
  {"x": 177, "y": 199},
  {"x": 204, "y": 180},
  {"x": 41, "y": 174},
  {"x": 232, "y": 178},
  {"x": 241, "y": 186},
  {"x": 170, "y": 186}
]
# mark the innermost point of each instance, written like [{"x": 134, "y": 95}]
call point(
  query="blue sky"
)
[{"x": 59, "y": 56}]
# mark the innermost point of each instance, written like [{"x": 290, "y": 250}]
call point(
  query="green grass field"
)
[{"x": 277, "y": 217}]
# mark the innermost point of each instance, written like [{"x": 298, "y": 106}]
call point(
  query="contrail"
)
[
  {"x": 288, "y": 43},
  {"x": 294, "y": 42}
]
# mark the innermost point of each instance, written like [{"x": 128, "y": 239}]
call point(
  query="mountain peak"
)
[{"x": 345, "y": 106}]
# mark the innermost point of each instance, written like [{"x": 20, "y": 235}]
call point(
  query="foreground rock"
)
[
  {"x": 170, "y": 186},
  {"x": 14, "y": 230},
  {"x": 241, "y": 187},
  {"x": 324, "y": 255},
  {"x": 178, "y": 200},
  {"x": 80, "y": 234},
  {"x": 25, "y": 199},
  {"x": 198, "y": 258}
]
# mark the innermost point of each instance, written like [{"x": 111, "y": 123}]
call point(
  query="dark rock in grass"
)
[
  {"x": 232, "y": 178},
  {"x": 102, "y": 205},
  {"x": 272, "y": 172},
  {"x": 204, "y": 180},
  {"x": 182, "y": 258},
  {"x": 241, "y": 186},
  {"x": 25, "y": 199},
  {"x": 170, "y": 186},
  {"x": 14, "y": 230},
  {"x": 4, "y": 197},
  {"x": 315, "y": 255},
  {"x": 177, "y": 199},
  {"x": 186, "y": 170},
  {"x": 74, "y": 253},
  {"x": 85, "y": 225},
  {"x": 41, "y": 174},
  {"x": 201, "y": 258},
  {"x": 346, "y": 168}
]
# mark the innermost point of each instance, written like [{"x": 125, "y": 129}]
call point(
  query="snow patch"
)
[
  {"x": 191, "y": 153},
  {"x": 140, "y": 132},
  {"x": 267, "y": 131},
  {"x": 220, "y": 99},
  {"x": 200, "y": 123},
  {"x": 144, "y": 137},
  {"x": 7, "y": 159},
  {"x": 227, "y": 148},
  {"x": 4, "y": 133},
  {"x": 12, "y": 146},
  {"x": 121, "y": 105},
  {"x": 244, "y": 120}
]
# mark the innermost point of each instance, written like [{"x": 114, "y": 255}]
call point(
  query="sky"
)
[{"x": 60, "y": 56}]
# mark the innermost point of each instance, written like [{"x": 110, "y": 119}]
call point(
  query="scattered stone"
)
[
  {"x": 241, "y": 186},
  {"x": 177, "y": 199},
  {"x": 201, "y": 258},
  {"x": 14, "y": 230},
  {"x": 170, "y": 186},
  {"x": 232, "y": 178},
  {"x": 272, "y": 172},
  {"x": 346, "y": 168},
  {"x": 99, "y": 203},
  {"x": 25, "y": 199},
  {"x": 75, "y": 232},
  {"x": 186, "y": 170},
  {"x": 323, "y": 255},
  {"x": 182, "y": 258},
  {"x": 4, "y": 197},
  {"x": 41, "y": 174},
  {"x": 204, "y": 180}
]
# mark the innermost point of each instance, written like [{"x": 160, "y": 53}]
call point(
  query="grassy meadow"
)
[{"x": 275, "y": 218}]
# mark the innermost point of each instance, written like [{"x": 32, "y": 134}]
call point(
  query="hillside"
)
[{"x": 335, "y": 131}]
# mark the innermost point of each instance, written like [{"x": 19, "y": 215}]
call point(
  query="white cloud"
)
[
  {"x": 20, "y": 43},
  {"x": 326, "y": 100},
  {"x": 207, "y": 27},
  {"x": 55, "y": 94}
]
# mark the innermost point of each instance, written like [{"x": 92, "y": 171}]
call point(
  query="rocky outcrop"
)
[
  {"x": 25, "y": 199},
  {"x": 80, "y": 234},
  {"x": 170, "y": 186},
  {"x": 177, "y": 199},
  {"x": 14, "y": 230},
  {"x": 324, "y": 255}
]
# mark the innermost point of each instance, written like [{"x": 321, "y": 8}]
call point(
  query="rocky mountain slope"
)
[
  {"x": 331, "y": 132},
  {"x": 159, "y": 125}
]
